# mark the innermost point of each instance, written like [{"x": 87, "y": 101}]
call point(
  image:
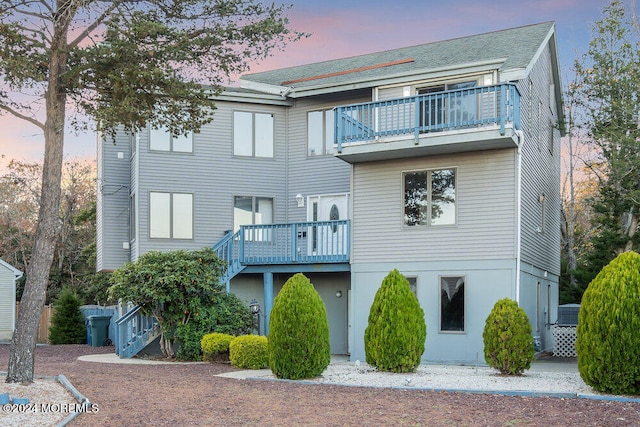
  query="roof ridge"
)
[{"x": 400, "y": 48}]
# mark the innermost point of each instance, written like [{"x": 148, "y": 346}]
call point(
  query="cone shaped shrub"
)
[
  {"x": 396, "y": 333},
  {"x": 298, "y": 331},
  {"x": 249, "y": 352},
  {"x": 67, "y": 322},
  {"x": 608, "y": 342},
  {"x": 508, "y": 343}
]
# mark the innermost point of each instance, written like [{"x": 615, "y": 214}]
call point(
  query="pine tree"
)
[
  {"x": 298, "y": 331},
  {"x": 608, "y": 343},
  {"x": 508, "y": 343},
  {"x": 67, "y": 322},
  {"x": 610, "y": 95},
  {"x": 396, "y": 333}
]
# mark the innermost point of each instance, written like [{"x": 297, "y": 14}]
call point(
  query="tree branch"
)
[
  {"x": 87, "y": 31},
  {"x": 22, "y": 116}
]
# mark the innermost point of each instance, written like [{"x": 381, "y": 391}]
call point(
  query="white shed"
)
[{"x": 8, "y": 277}]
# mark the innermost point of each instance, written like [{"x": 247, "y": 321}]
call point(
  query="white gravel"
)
[
  {"x": 547, "y": 379},
  {"x": 450, "y": 377}
]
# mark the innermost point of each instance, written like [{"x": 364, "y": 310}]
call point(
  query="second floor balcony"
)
[{"x": 472, "y": 119}]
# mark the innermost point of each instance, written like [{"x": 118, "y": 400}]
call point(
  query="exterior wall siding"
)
[
  {"x": 485, "y": 197},
  {"x": 214, "y": 176},
  {"x": 7, "y": 302},
  {"x": 540, "y": 170},
  {"x": 485, "y": 283},
  {"x": 250, "y": 286},
  {"x": 316, "y": 175},
  {"x": 112, "y": 202}
]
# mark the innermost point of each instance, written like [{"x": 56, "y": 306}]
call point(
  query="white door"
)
[{"x": 327, "y": 239}]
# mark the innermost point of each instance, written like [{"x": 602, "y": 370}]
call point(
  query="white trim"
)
[
  {"x": 17, "y": 273},
  {"x": 518, "y": 254},
  {"x": 265, "y": 87}
]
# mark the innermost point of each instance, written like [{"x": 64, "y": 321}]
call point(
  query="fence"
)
[
  {"x": 564, "y": 341},
  {"x": 45, "y": 322},
  {"x": 87, "y": 310}
]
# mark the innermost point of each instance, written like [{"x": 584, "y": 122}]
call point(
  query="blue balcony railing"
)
[
  {"x": 314, "y": 242},
  {"x": 439, "y": 111}
]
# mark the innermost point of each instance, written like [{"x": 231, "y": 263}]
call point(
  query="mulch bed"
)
[{"x": 192, "y": 395}]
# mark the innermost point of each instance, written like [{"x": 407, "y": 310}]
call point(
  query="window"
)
[
  {"x": 551, "y": 137},
  {"x": 413, "y": 284},
  {"x": 132, "y": 217},
  {"x": 252, "y": 210},
  {"x": 133, "y": 143},
  {"x": 162, "y": 140},
  {"x": 452, "y": 110},
  {"x": 252, "y": 134},
  {"x": 452, "y": 304},
  {"x": 320, "y": 132},
  {"x": 170, "y": 215},
  {"x": 430, "y": 197},
  {"x": 541, "y": 201}
]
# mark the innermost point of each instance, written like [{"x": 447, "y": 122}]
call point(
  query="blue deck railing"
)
[
  {"x": 438, "y": 111},
  {"x": 291, "y": 243}
]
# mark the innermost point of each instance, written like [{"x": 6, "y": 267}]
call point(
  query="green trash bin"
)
[{"x": 99, "y": 326}]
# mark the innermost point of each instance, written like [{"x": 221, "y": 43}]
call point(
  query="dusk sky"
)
[{"x": 354, "y": 27}]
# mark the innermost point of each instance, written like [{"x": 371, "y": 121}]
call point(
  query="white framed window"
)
[
  {"x": 429, "y": 197},
  {"x": 320, "y": 132},
  {"x": 170, "y": 215},
  {"x": 458, "y": 110},
  {"x": 452, "y": 302},
  {"x": 133, "y": 220},
  {"x": 253, "y": 134},
  {"x": 249, "y": 210},
  {"x": 162, "y": 140},
  {"x": 134, "y": 140},
  {"x": 413, "y": 284}
]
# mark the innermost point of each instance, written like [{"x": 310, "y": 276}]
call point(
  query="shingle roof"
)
[{"x": 517, "y": 46}]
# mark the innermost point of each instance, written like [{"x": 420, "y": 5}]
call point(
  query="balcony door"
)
[
  {"x": 457, "y": 109},
  {"x": 327, "y": 239}
]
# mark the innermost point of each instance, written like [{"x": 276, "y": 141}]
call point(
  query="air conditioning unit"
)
[{"x": 568, "y": 314}]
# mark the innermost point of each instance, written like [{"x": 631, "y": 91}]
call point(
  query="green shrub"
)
[
  {"x": 215, "y": 347},
  {"x": 249, "y": 352},
  {"x": 298, "y": 331},
  {"x": 182, "y": 291},
  {"x": 608, "y": 342},
  {"x": 67, "y": 322},
  {"x": 396, "y": 332},
  {"x": 226, "y": 314},
  {"x": 508, "y": 343}
]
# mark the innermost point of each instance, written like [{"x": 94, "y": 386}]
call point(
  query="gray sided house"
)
[
  {"x": 441, "y": 160},
  {"x": 8, "y": 277}
]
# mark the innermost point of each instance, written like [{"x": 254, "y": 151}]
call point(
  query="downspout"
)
[{"x": 520, "y": 136}]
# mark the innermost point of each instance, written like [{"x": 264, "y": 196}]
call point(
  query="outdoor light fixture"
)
[
  {"x": 254, "y": 306},
  {"x": 338, "y": 294},
  {"x": 300, "y": 200},
  {"x": 541, "y": 198}
]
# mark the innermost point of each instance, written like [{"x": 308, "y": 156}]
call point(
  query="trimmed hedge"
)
[
  {"x": 215, "y": 347},
  {"x": 608, "y": 342},
  {"x": 249, "y": 352},
  {"x": 508, "y": 343},
  {"x": 298, "y": 331},
  {"x": 396, "y": 333}
]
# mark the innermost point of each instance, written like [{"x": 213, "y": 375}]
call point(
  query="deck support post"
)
[{"x": 268, "y": 299}]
